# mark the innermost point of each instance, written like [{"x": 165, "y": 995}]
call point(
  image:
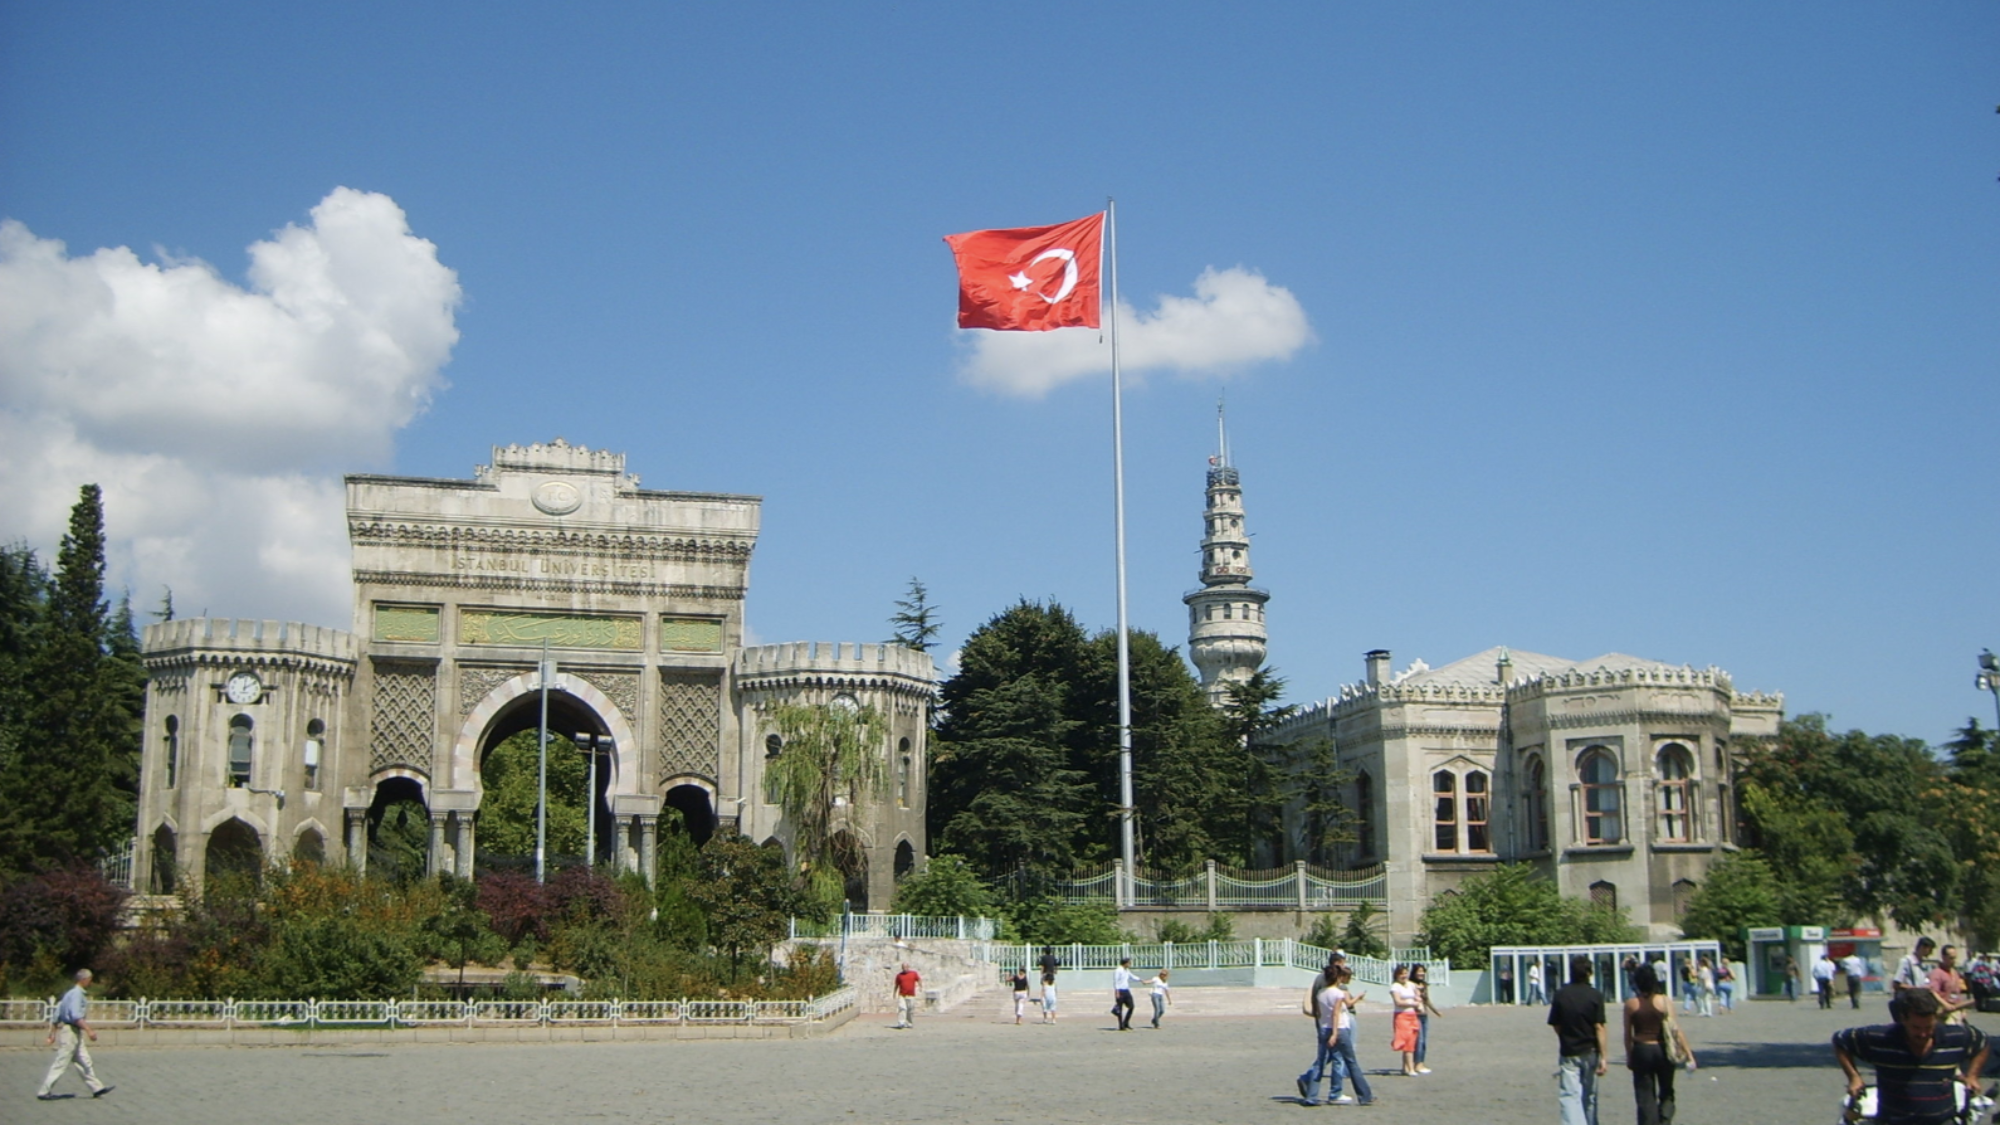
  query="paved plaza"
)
[{"x": 1766, "y": 1064}]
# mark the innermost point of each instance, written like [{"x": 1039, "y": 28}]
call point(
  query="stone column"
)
[
  {"x": 649, "y": 835},
  {"x": 620, "y": 832},
  {"x": 436, "y": 863},
  {"x": 467, "y": 842},
  {"x": 357, "y": 840},
  {"x": 1209, "y": 867}
]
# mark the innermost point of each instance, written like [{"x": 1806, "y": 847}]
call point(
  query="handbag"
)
[{"x": 1670, "y": 1039}]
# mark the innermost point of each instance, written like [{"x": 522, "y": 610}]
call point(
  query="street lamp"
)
[{"x": 1989, "y": 679}]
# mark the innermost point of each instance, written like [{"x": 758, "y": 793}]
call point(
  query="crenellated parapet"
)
[
  {"x": 1534, "y": 687},
  {"x": 193, "y": 641},
  {"x": 1354, "y": 695},
  {"x": 906, "y": 675},
  {"x": 557, "y": 456}
]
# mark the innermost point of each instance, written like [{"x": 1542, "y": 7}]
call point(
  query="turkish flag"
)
[{"x": 1030, "y": 279}]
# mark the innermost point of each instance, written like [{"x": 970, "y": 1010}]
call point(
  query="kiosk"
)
[{"x": 1768, "y": 948}]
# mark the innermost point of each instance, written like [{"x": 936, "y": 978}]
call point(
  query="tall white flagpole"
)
[{"x": 1125, "y": 808}]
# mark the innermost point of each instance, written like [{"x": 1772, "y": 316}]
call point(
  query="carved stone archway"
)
[{"x": 625, "y": 777}]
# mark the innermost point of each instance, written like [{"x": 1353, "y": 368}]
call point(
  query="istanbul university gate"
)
[{"x": 267, "y": 741}]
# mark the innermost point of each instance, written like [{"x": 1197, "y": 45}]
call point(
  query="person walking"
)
[
  {"x": 1343, "y": 1014},
  {"x": 907, "y": 982},
  {"x": 1725, "y": 984},
  {"x": 1421, "y": 977},
  {"x": 1535, "y": 993},
  {"x": 1823, "y": 971},
  {"x": 1405, "y": 1006},
  {"x": 1917, "y": 1061},
  {"x": 1948, "y": 984},
  {"x": 1792, "y": 979},
  {"x": 1163, "y": 996},
  {"x": 1855, "y": 968},
  {"x": 68, "y": 1028},
  {"x": 1911, "y": 972},
  {"x": 1122, "y": 980},
  {"x": 1704, "y": 986},
  {"x": 1048, "y": 965},
  {"x": 1019, "y": 981},
  {"x": 1649, "y": 1021},
  {"x": 1577, "y": 1015},
  {"x": 1323, "y": 1002}
]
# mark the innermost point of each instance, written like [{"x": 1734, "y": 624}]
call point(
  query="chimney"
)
[
  {"x": 1504, "y": 670},
  {"x": 1378, "y": 666}
]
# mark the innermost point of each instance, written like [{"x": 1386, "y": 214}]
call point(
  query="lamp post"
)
[
  {"x": 545, "y": 672},
  {"x": 1989, "y": 678}
]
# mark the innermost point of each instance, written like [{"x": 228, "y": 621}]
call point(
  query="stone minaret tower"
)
[{"x": 1226, "y": 637}]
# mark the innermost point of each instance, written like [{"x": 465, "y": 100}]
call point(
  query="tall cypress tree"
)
[{"x": 60, "y": 784}]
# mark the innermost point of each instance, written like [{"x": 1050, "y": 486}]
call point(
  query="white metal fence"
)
[
  {"x": 433, "y": 1013},
  {"x": 1298, "y": 887},
  {"x": 1278, "y": 953},
  {"x": 897, "y": 926}
]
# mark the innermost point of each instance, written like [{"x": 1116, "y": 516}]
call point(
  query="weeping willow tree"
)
[{"x": 830, "y": 756}]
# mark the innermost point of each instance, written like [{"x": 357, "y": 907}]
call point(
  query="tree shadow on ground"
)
[{"x": 1765, "y": 1056}]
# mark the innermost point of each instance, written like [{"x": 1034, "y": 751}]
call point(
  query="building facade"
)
[
  {"x": 268, "y": 740},
  {"x": 1613, "y": 776}
]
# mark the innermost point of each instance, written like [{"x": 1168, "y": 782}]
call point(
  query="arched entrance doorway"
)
[
  {"x": 852, "y": 861},
  {"x": 234, "y": 850},
  {"x": 697, "y": 813},
  {"x": 399, "y": 830},
  {"x": 310, "y": 847},
  {"x": 582, "y": 773},
  {"x": 906, "y": 859},
  {"x": 166, "y": 878}
]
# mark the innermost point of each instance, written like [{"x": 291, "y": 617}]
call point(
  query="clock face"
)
[{"x": 244, "y": 687}]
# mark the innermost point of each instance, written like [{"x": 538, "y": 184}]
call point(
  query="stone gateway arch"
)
[{"x": 306, "y": 732}]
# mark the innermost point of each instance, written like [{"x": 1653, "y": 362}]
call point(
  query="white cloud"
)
[
  {"x": 217, "y": 417},
  {"x": 1234, "y": 319}
]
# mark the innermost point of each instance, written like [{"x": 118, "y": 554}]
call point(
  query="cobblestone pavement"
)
[{"x": 1766, "y": 1064}]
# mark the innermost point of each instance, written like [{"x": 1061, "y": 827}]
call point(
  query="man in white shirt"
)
[
  {"x": 1122, "y": 980},
  {"x": 1855, "y": 968},
  {"x": 1823, "y": 971}
]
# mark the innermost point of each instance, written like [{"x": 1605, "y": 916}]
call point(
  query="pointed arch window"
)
[
  {"x": 173, "y": 750},
  {"x": 1444, "y": 815},
  {"x": 1603, "y": 813},
  {"x": 1477, "y": 812},
  {"x": 241, "y": 746},
  {"x": 314, "y": 748},
  {"x": 1537, "y": 801},
  {"x": 1676, "y": 794}
]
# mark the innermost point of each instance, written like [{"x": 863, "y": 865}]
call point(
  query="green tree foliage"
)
[
  {"x": 1968, "y": 797},
  {"x": 1024, "y": 771},
  {"x": 511, "y": 778},
  {"x": 1362, "y": 933},
  {"x": 831, "y": 754},
  {"x": 1511, "y": 905},
  {"x": 747, "y": 895},
  {"x": 1741, "y": 891},
  {"x": 1881, "y": 788},
  {"x": 947, "y": 887},
  {"x": 66, "y": 779},
  {"x": 916, "y": 619},
  {"x": 1050, "y": 921}
]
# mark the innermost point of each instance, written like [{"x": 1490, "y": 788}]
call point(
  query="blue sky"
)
[{"x": 1659, "y": 330}]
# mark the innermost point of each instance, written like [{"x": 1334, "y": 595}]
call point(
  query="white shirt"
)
[
  {"x": 1404, "y": 996},
  {"x": 1853, "y": 966},
  {"x": 1122, "y": 979},
  {"x": 1159, "y": 986},
  {"x": 1328, "y": 1003},
  {"x": 1824, "y": 968},
  {"x": 1342, "y": 1012}
]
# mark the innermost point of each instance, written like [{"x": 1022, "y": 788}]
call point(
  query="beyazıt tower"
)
[{"x": 1226, "y": 636}]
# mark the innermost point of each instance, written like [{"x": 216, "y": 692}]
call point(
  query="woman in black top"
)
[{"x": 1648, "y": 1022}]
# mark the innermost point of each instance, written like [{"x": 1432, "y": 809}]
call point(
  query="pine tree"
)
[
  {"x": 60, "y": 785},
  {"x": 915, "y": 619}
]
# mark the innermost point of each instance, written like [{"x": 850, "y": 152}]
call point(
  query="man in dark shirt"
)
[
  {"x": 1916, "y": 1059},
  {"x": 1577, "y": 1014}
]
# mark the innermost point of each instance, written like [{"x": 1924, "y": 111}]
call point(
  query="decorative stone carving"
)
[
  {"x": 476, "y": 683},
  {"x": 621, "y": 688},
  {"x": 405, "y": 716},
  {"x": 690, "y": 726},
  {"x": 561, "y": 630}
]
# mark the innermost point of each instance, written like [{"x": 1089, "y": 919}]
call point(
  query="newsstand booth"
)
[
  {"x": 1867, "y": 942},
  {"x": 1768, "y": 947}
]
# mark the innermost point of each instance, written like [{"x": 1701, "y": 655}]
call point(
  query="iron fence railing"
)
[
  {"x": 1277, "y": 953},
  {"x": 432, "y": 1013},
  {"x": 1301, "y": 886},
  {"x": 894, "y": 926}
]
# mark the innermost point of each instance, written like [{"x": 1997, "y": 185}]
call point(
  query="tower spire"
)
[{"x": 1226, "y": 634}]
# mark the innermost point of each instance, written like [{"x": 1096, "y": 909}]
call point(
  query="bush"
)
[
  {"x": 948, "y": 887},
  {"x": 1510, "y": 905},
  {"x": 1049, "y": 921},
  {"x": 66, "y": 919},
  {"x": 1219, "y": 928}
]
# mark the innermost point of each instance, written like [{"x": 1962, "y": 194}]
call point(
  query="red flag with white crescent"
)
[{"x": 1030, "y": 279}]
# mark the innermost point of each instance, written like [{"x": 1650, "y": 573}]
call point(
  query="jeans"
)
[
  {"x": 1725, "y": 992},
  {"x": 1159, "y": 1008},
  {"x": 1423, "y": 1035},
  {"x": 1652, "y": 1084},
  {"x": 1825, "y": 990},
  {"x": 1345, "y": 1048},
  {"x": 1327, "y": 1063},
  {"x": 1576, "y": 1089}
]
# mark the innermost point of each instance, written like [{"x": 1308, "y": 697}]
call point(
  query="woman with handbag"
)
[{"x": 1654, "y": 1048}]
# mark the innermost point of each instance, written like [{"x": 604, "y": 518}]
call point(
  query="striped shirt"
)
[{"x": 1914, "y": 1091}]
